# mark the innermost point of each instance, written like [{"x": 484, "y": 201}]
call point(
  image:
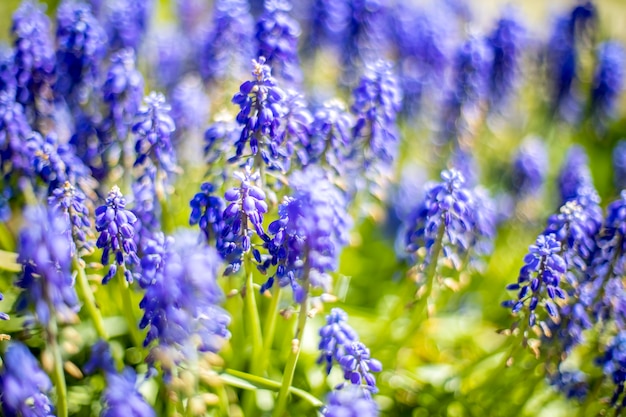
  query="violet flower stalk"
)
[{"x": 608, "y": 81}]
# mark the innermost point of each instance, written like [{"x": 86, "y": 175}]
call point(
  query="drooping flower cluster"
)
[
  {"x": 335, "y": 335},
  {"x": 44, "y": 253},
  {"x": 70, "y": 201},
  {"x": 181, "y": 303},
  {"x": 115, "y": 225},
  {"x": 207, "y": 212},
  {"x": 357, "y": 365},
  {"x": 24, "y": 386},
  {"x": 306, "y": 239},
  {"x": 229, "y": 46},
  {"x": 261, "y": 104}
]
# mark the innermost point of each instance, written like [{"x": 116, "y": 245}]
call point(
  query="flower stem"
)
[
  {"x": 58, "y": 374},
  {"x": 290, "y": 367},
  {"x": 254, "y": 329},
  {"x": 88, "y": 298},
  {"x": 128, "y": 309},
  {"x": 269, "y": 327}
]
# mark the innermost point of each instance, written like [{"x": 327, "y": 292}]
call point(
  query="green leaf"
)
[{"x": 8, "y": 261}]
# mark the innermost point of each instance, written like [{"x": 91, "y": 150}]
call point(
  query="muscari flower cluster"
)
[
  {"x": 70, "y": 201},
  {"x": 608, "y": 81},
  {"x": 24, "y": 386},
  {"x": 529, "y": 167}
]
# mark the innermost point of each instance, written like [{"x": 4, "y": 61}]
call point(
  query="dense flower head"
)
[
  {"x": 181, "y": 305},
  {"x": 530, "y": 167},
  {"x": 153, "y": 129},
  {"x": 295, "y": 130},
  {"x": 335, "y": 335},
  {"x": 8, "y": 82},
  {"x": 70, "y": 201},
  {"x": 34, "y": 53},
  {"x": 14, "y": 130},
  {"x": 506, "y": 43},
  {"x": 115, "y": 225},
  {"x": 613, "y": 364},
  {"x": 574, "y": 173},
  {"x": 122, "y": 93},
  {"x": 350, "y": 401},
  {"x": 207, "y": 211},
  {"x": 122, "y": 398},
  {"x": 81, "y": 46},
  {"x": 146, "y": 206},
  {"x": 242, "y": 216},
  {"x": 277, "y": 35},
  {"x": 357, "y": 365},
  {"x": 219, "y": 139},
  {"x": 619, "y": 165},
  {"x": 261, "y": 105},
  {"x": 471, "y": 71},
  {"x": 539, "y": 279},
  {"x": 229, "y": 46},
  {"x": 331, "y": 135},
  {"x": 307, "y": 238},
  {"x": 126, "y": 22},
  {"x": 608, "y": 80},
  {"x": 46, "y": 162},
  {"x": 448, "y": 213},
  {"x": 190, "y": 106},
  {"x": 44, "y": 253},
  {"x": 376, "y": 104},
  {"x": 24, "y": 385}
]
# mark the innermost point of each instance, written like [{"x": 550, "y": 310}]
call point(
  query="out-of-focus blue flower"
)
[
  {"x": 350, "y": 401},
  {"x": 46, "y": 162},
  {"x": 335, "y": 335},
  {"x": 619, "y": 165},
  {"x": 154, "y": 128},
  {"x": 331, "y": 136},
  {"x": 126, "y": 22},
  {"x": 530, "y": 167},
  {"x": 24, "y": 385},
  {"x": 14, "y": 130},
  {"x": 277, "y": 35},
  {"x": 608, "y": 80},
  {"x": 244, "y": 213},
  {"x": 471, "y": 68},
  {"x": 229, "y": 46},
  {"x": 613, "y": 364},
  {"x": 34, "y": 53},
  {"x": 376, "y": 103},
  {"x": 100, "y": 359},
  {"x": 115, "y": 225},
  {"x": 539, "y": 279},
  {"x": 8, "y": 83},
  {"x": 190, "y": 107},
  {"x": 573, "y": 384},
  {"x": 146, "y": 206},
  {"x": 81, "y": 46},
  {"x": 207, "y": 211},
  {"x": 507, "y": 43},
  {"x": 328, "y": 20},
  {"x": 44, "y": 253},
  {"x": 70, "y": 201},
  {"x": 172, "y": 53},
  {"x": 192, "y": 15},
  {"x": 306, "y": 239},
  {"x": 122, "y": 398},
  {"x": 181, "y": 304},
  {"x": 357, "y": 365},
  {"x": 295, "y": 129},
  {"x": 574, "y": 174},
  {"x": 220, "y": 138},
  {"x": 262, "y": 107},
  {"x": 122, "y": 93}
]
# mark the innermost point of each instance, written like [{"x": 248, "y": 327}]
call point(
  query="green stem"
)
[
  {"x": 290, "y": 367},
  {"x": 58, "y": 374},
  {"x": 88, "y": 298},
  {"x": 224, "y": 403},
  {"x": 127, "y": 302},
  {"x": 254, "y": 329},
  {"x": 269, "y": 328}
]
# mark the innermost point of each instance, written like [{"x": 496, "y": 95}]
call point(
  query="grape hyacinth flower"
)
[
  {"x": 619, "y": 165},
  {"x": 70, "y": 201},
  {"x": 122, "y": 93},
  {"x": 190, "y": 108},
  {"x": 154, "y": 129},
  {"x": 608, "y": 81},
  {"x": 46, "y": 280},
  {"x": 207, "y": 212},
  {"x": 574, "y": 173},
  {"x": 539, "y": 280},
  {"x": 357, "y": 365},
  {"x": 8, "y": 82},
  {"x": 328, "y": 20},
  {"x": 81, "y": 46},
  {"x": 126, "y": 23},
  {"x": 262, "y": 107},
  {"x": 295, "y": 130},
  {"x": 506, "y": 43},
  {"x": 243, "y": 214},
  {"x": 115, "y": 225},
  {"x": 277, "y": 36},
  {"x": 335, "y": 335},
  {"x": 613, "y": 364},
  {"x": 229, "y": 46},
  {"x": 181, "y": 306},
  {"x": 530, "y": 167},
  {"x": 350, "y": 401},
  {"x": 573, "y": 384},
  {"x": 331, "y": 136},
  {"x": 34, "y": 53},
  {"x": 122, "y": 398},
  {"x": 24, "y": 386},
  {"x": 46, "y": 161},
  {"x": 146, "y": 206},
  {"x": 307, "y": 237}
]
